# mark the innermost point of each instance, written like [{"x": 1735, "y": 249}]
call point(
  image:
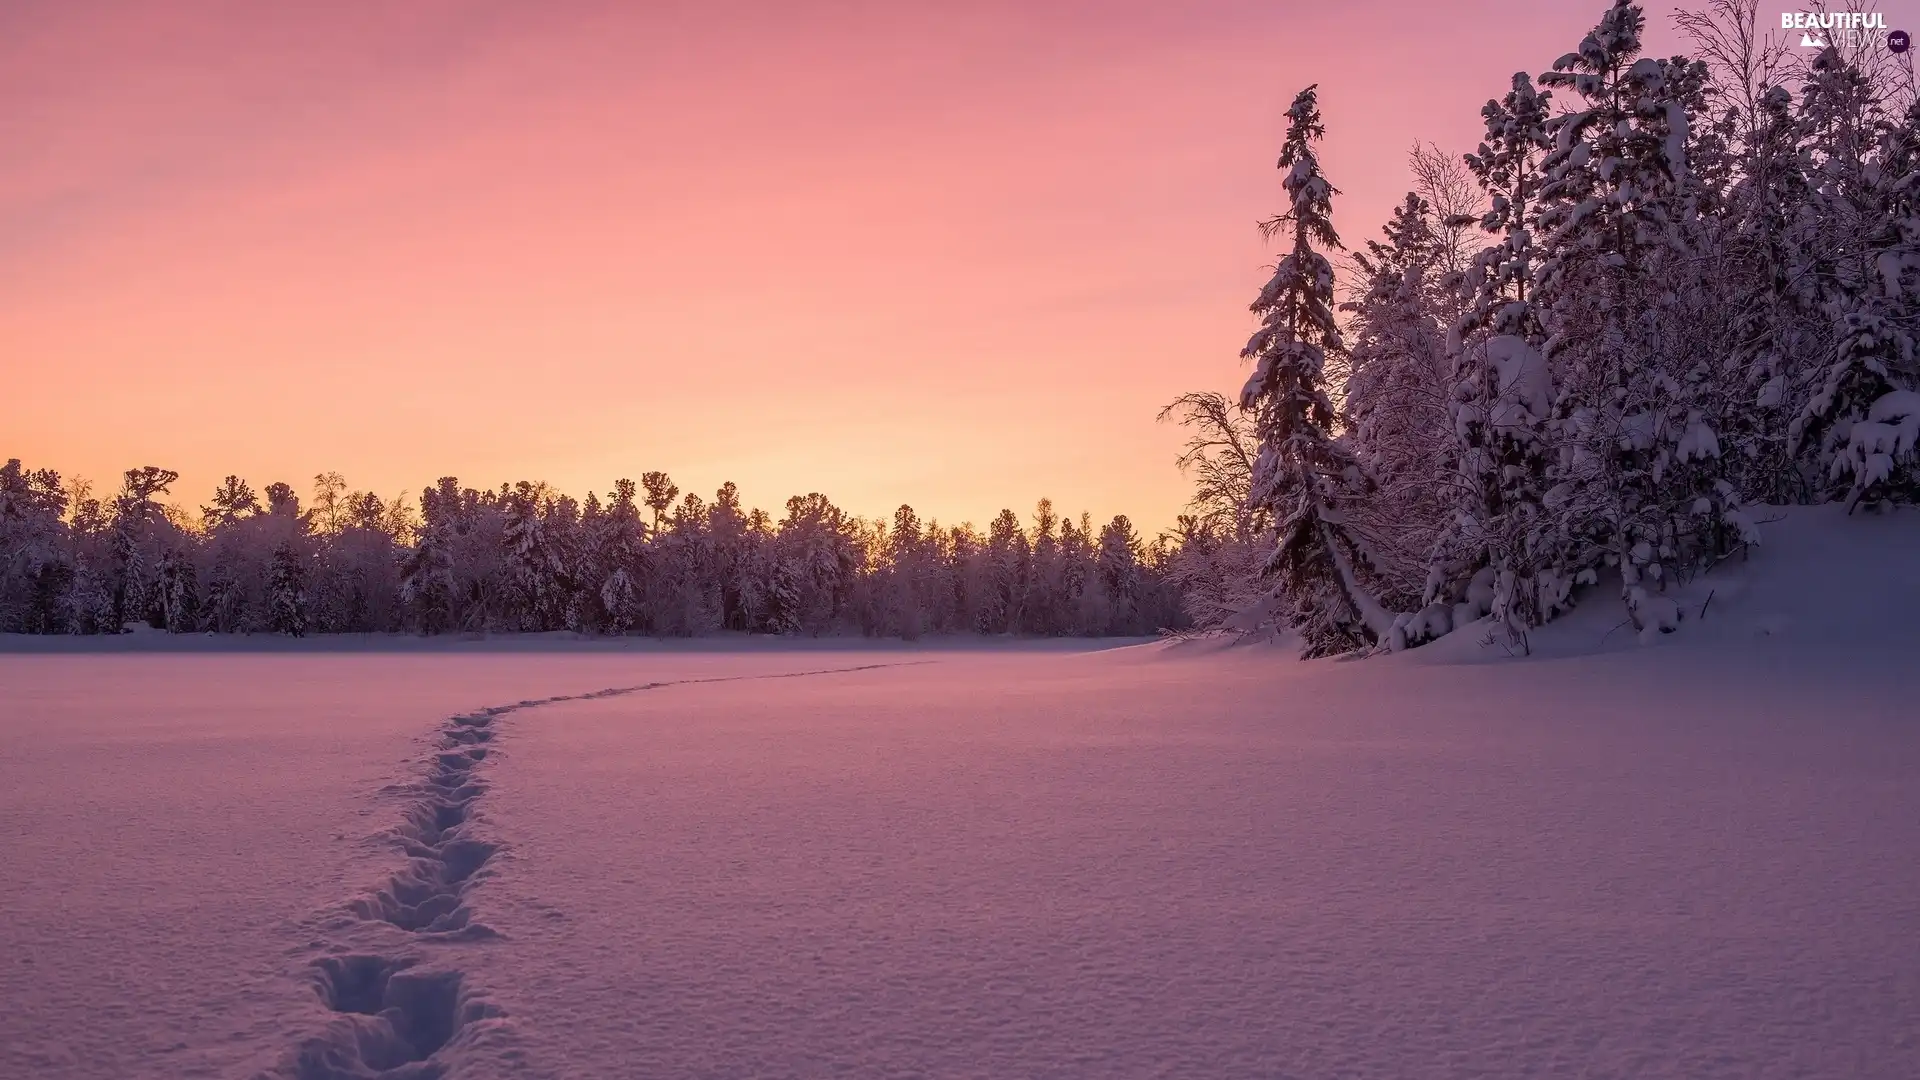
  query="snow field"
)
[{"x": 1657, "y": 855}]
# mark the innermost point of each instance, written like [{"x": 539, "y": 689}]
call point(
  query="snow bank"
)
[{"x": 1819, "y": 578}]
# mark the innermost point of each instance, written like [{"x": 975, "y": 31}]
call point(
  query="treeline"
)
[
  {"x": 525, "y": 558},
  {"x": 1659, "y": 292}
]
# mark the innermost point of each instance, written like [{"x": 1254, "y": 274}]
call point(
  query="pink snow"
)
[{"x": 1690, "y": 859}]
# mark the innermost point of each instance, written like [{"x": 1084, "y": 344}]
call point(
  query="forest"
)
[
  {"x": 1660, "y": 294},
  {"x": 524, "y": 558}
]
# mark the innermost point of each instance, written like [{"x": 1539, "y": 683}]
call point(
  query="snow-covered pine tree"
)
[
  {"x": 137, "y": 514},
  {"x": 1842, "y": 122},
  {"x": 228, "y": 557},
  {"x": 1858, "y": 427},
  {"x": 1076, "y": 568},
  {"x": 1119, "y": 568},
  {"x": 287, "y": 591},
  {"x": 903, "y": 604},
  {"x": 1639, "y": 483},
  {"x": 1883, "y": 448},
  {"x": 88, "y": 606},
  {"x": 815, "y": 563},
  {"x": 287, "y": 606},
  {"x": 755, "y": 570},
  {"x": 465, "y": 526},
  {"x": 1872, "y": 416},
  {"x": 586, "y": 565},
  {"x": 1489, "y": 557},
  {"x": 1508, "y": 166},
  {"x": 1694, "y": 320},
  {"x": 1750, "y": 157},
  {"x": 535, "y": 568},
  {"x": 1042, "y": 612},
  {"x": 1838, "y": 119},
  {"x": 1006, "y": 557},
  {"x": 1781, "y": 329},
  {"x": 786, "y": 598},
  {"x": 361, "y": 562},
  {"x": 223, "y": 598},
  {"x": 36, "y": 565},
  {"x": 622, "y": 540},
  {"x": 1303, "y": 474},
  {"x": 727, "y": 532},
  {"x": 564, "y": 533},
  {"x": 179, "y": 592},
  {"x": 427, "y": 570},
  {"x": 686, "y": 593},
  {"x": 1397, "y": 390}
]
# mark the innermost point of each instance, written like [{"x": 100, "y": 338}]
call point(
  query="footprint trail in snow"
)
[{"x": 397, "y": 1008}]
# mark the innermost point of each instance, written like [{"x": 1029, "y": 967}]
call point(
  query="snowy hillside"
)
[{"x": 1819, "y": 578}]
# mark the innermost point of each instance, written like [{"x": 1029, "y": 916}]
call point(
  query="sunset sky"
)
[{"x": 953, "y": 254}]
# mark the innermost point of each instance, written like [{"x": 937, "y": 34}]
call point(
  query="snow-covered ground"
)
[
  {"x": 177, "y": 833},
  {"x": 1692, "y": 857}
]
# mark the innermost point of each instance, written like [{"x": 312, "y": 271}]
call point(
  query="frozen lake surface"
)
[{"x": 1687, "y": 862}]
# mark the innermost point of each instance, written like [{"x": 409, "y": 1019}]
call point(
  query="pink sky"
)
[{"x": 956, "y": 254}]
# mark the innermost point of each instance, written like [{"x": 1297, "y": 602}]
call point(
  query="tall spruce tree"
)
[{"x": 1303, "y": 474}]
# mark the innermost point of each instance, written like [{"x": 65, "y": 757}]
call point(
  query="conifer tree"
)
[
  {"x": 35, "y": 567},
  {"x": 1855, "y": 427},
  {"x": 584, "y": 567},
  {"x": 287, "y": 592},
  {"x": 1042, "y": 612},
  {"x": 1005, "y": 570},
  {"x": 1508, "y": 168},
  {"x": 906, "y": 601},
  {"x": 1119, "y": 568},
  {"x": 1864, "y": 393},
  {"x": 427, "y": 571},
  {"x": 179, "y": 592},
  {"x": 727, "y": 531},
  {"x": 136, "y": 515},
  {"x": 1781, "y": 327},
  {"x": 1640, "y": 482},
  {"x": 1303, "y": 474},
  {"x": 89, "y": 602},
  {"x": 1397, "y": 389},
  {"x": 1501, "y": 396},
  {"x": 535, "y": 566},
  {"x": 622, "y": 538}
]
